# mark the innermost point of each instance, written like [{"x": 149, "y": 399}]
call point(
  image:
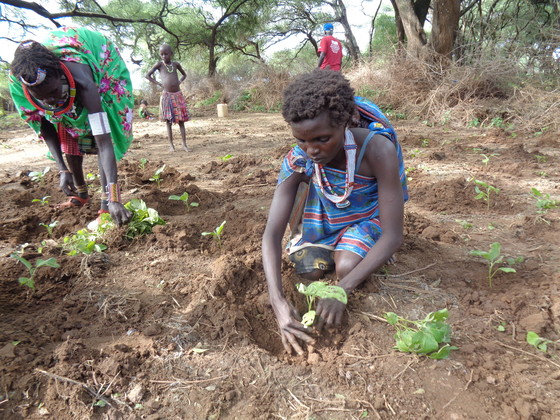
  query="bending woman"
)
[{"x": 75, "y": 92}]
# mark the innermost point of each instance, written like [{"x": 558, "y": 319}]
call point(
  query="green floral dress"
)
[{"x": 109, "y": 71}]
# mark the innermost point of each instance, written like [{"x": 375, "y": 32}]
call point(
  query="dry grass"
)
[{"x": 485, "y": 91}]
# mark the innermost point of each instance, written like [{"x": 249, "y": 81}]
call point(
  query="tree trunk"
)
[
  {"x": 342, "y": 17},
  {"x": 445, "y": 24},
  {"x": 415, "y": 35}
]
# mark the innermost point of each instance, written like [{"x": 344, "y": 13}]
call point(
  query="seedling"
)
[
  {"x": 430, "y": 336},
  {"x": 217, "y": 234},
  {"x": 185, "y": 199},
  {"x": 475, "y": 122},
  {"x": 49, "y": 227},
  {"x": 464, "y": 224},
  {"x": 322, "y": 290},
  {"x": 415, "y": 152},
  {"x": 541, "y": 158},
  {"x": 32, "y": 269},
  {"x": 91, "y": 176},
  {"x": 501, "y": 327},
  {"x": 484, "y": 191},
  {"x": 143, "y": 219},
  {"x": 142, "y": 163},
  {"x": 537, "y": 341},
  {"x": 544, "y": 202},
  {"x": 43, "y": 201},
  {"x": 84, "y": 241},
  {"x": 425, "y": 142},
  {"x": 226, "y": 157},
  {"x": 38, "y": 176},
  {"x": 156, "y": 177},
  {"x": 486, "y": 158},
  {"x": 494, "y": 259}
]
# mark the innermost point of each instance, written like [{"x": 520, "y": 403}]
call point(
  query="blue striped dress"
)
[{"x": 354, "y": 228}]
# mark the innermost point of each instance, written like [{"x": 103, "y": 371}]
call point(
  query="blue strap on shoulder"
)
[{"x": 363, "y": 149}]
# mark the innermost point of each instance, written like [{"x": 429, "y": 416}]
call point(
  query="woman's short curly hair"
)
[
  {"x": 313, "y": 93},
  {"x": 31, "y": 55}
]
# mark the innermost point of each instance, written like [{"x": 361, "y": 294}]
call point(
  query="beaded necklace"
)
[
  {"x": 167, "y": 67},
  {"x": 69, "y": 100},
  {"x": 341, "y": 201}
]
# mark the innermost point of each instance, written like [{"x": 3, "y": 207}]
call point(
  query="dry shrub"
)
[{"x": 458, "y": 93}]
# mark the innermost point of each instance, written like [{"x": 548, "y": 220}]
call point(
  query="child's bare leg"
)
[
  {"x": 170, "y": 135},
  {"x": 183, "y": 135}
]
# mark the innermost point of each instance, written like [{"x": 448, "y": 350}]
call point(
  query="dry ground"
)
[{"x": 114, "y": 335}]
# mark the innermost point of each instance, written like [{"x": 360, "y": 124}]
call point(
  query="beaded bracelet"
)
[{"x": 114, "y": 192}]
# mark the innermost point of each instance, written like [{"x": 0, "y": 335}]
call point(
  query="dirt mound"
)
[{"x": 177, "y": 324}]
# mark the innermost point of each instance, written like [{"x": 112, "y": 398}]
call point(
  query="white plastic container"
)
[{"x": 222, "y": 110}]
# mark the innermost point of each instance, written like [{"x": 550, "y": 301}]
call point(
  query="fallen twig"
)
[
  {"x": 72, "y": 381},
  {"x": 405, "y": 274},
  {"x": 528, "y": 353}
]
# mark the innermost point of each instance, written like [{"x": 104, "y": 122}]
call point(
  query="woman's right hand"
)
[
  {"x": 292, "y": 331},
  {"x": 67, "y": 183}
]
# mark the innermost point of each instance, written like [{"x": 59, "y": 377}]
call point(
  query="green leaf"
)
[
  {"x": 404, "y": 340},
  {"x": 391, "y": 317},
  {"x": 22, "y": 260},
  {"x": 507, "y": 270},
  {"x": 100, "y": 403},
  {"x": 443, "y": 353},
  {"x": 495, "y": 250},
  {"x": 424, "y": 342},
  {"x": 27, "y": 281},
  {"x": 440, "y": 315},
  {"x": 439, "y": 330},
  {"x": 51, "y": 262},
  {"x": 308, "y": 318},
  {"x": 501, "y": 328},
  {"x": 333, "y": 292}
]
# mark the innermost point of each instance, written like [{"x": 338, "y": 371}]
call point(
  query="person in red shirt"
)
[{"x": 330, "y": 50}]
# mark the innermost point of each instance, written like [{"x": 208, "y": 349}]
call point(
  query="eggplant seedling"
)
[
  {"x": 185, "y": 199},
  {"x": 226, "y": 157},
  {"x": 537, "y": 341},
  {"x": 425, "y": 336},
  {"x": 217, "y": 234},
  {"x": 49, "y": 227},
  {"x": 322, "y": 290},
  {"x": 38, "y": 176},
  {"x": 32, "y": 268},
  {"x": 156, "y": 177},
  {"x": 43, "y": 201},
  {"x": 142, "y": 163},
  {"x": 484, "y": 190},
  {"x": 544, "y": 202},
  {"x": 494, "y": 258}
]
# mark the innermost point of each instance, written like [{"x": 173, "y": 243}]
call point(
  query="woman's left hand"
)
[
  {"x": 119, "y": 213},
  {"x": 329, "y": 312}
]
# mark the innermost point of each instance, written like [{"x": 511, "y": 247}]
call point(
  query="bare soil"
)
[{"x": 171, "y": 326}]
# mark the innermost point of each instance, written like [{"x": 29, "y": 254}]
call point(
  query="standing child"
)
[
  {"x": 352, "y": 221},
  {"x": 173, "y": 108}
]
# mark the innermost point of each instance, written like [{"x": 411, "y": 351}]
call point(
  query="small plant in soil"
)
[
  {"x": 217, "y": 234},
  {"x": 484, "y": 191},
  {"x": 538, "y": 342},
  {"x": 495, "y": 259},
  {"x": 156, "y": 177},
  {"x": 84, "y": 242},
  {"x": 185, "y": 199},
  {"x": 49, "y": 227},
  {"x": 541, "y": 158},
  {"x": 39, "y": 176},
  {"x": 486, "y": 158},
  {"x": 321, "y": 290},
  {"x": 226, "y": 157},
  {"x": 143, "y": 218},
  {"x": 142, "y": 163},
  {"x": 32, "y": 268},
  {"x": 544, "y": 202},
  {"x": 430, "y": 336},
  {"x": 44, "y": 201},
  {"x": 464, "y": 224}
]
